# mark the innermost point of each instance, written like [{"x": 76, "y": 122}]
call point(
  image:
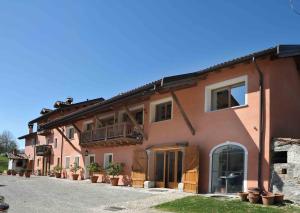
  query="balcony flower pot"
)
[
  {"x": 92, "y": 168},
  {"x": 13, "y": 172},
  {"x": 278, "y": 198},
  {"x": 74, "y": 168},
  {"x": 114, "y": 169},
  {"x": 243, "y": 196},
  {"x": 268, "y": 199},
  {"x": 253, "y": 197}
]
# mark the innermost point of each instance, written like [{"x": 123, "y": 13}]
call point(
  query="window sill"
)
[{"x": 236, "y": 107}]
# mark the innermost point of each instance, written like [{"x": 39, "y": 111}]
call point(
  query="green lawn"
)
[
  {"x": 214, "y": 205},
  {"x": 3, "y": 163}
]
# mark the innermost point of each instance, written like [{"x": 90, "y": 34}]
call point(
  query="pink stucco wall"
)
[{"x": 239, "y": 125}]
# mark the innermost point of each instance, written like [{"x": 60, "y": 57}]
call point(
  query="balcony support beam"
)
[
  {"x": 67, "y": 139},
  {"x": 182, "y": 112},
  {"x": 134, "y": 122}
]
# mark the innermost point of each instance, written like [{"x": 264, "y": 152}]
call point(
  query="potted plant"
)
[
  {"x": 254, "y": 195},
  {"x": 243, "y": 196},
  {"x": 94, "y": 167},
  {"x": 268, "y": 198},
  {"x": 27, "y": 173},
  {"x": 8, "y": 172},
  {"x": 13, "y": 172},
  {"x": 114, "y": 169},
  {"x": 57, "y": 169},
  {"x": 74, "y": 170},
  {"x": 21, "y": 172}
]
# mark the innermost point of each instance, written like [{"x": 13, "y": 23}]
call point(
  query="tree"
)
[{"x": 7, "y": 142}]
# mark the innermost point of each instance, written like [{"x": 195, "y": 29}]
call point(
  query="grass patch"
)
[
  {"x": 213, "y": 205},
  {"x": 3, "y": 163}
]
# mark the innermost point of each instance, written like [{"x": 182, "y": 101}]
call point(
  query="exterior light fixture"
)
[{"x": 86, "y": 152}]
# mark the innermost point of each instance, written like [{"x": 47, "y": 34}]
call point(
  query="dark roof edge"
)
[
  {"x": 140, "y": 91},
  {"x": 279, "y": 51},
  {"x": 96, "y": 100},
  {"x": 27, "y": 135}
]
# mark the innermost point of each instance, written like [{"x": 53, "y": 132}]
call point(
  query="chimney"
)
[
  {"x": 69, "y": 100},
  {"x": 30, "y": 128}
]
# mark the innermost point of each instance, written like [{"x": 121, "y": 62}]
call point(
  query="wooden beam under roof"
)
[
  {"x": 182, "y": 112},
  {"x": 67, "y": 139}
]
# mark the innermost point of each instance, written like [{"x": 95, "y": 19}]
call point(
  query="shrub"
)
[
  {"x": 114, "y": 169},
  {"x": 94, "y": 167},
  {"x": 74, "y": 168},
  {"x": 57, "y": 169}
]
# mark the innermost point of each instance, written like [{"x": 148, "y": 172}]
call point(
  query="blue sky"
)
[{"x": 87, "y": 49}]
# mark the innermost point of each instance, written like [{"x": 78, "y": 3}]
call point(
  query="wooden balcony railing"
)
[{"x": 108, "y": 132}]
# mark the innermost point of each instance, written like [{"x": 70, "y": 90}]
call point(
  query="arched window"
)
[{"x": 228, "y": 168}]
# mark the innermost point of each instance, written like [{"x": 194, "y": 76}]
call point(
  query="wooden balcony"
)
[
  {"x": 43, "y": 150},
  {"x": 112, "y": 135}
]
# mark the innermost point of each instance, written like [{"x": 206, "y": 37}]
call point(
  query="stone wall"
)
[{"x": 286, "y": 176}]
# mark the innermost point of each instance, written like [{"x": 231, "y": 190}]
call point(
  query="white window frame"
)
[
  {"x": 219, "y": 85},
  {"x": 105, "y": 156},
  {"x": 77, "y": 156},
  {"x": 66, "y": 162},
  {"x": 153, "y": 105},
  {"x": 67, "y": 132}
]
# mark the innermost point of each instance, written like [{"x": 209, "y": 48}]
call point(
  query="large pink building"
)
[{"x": 207, "y": 131}]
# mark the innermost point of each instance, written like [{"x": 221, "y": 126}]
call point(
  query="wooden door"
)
[
  {"x": 191, "y": 169},
  {"x": 139, "y": 168}
]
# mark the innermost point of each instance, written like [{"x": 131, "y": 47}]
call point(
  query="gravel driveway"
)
[{"x": 45, "y": 194}]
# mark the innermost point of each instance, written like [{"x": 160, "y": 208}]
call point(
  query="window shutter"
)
[
  {"x": 191, "y": 169},
  {"x": 139, "y": 168}
]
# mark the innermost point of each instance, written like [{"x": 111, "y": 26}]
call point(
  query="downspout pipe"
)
[{"x": 261, "y": 122}]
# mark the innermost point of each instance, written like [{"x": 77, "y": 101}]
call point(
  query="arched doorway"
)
[{"x": 228, "y": 168}]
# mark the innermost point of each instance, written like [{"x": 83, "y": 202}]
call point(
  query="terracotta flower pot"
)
[
  {"x": 75, "y": 176},
  {"x": 57, "y": 175},
  {"x": 268, "y": 199},
  {"x": 13, "y": 173},
  {"x": 21, "y": 174},
  {"x": 8, "y": 172},
  {"x": 94, "y": 179},
  {"x": 27, "y": 174},
  {"x": 278, "y": 197},
  {"x": 253, "y": 197},
  {"x": 243, "y": 196},
  {"x": 114, "y": 181}
]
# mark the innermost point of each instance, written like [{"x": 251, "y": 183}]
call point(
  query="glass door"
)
[
  {"x": 228, "y": 169},
  {"x": 168, "y": 168}
]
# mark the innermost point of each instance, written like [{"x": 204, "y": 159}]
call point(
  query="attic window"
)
[{"x": 280, "y": 157}]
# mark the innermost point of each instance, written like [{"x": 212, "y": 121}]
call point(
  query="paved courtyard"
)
[{"x": 45, "y": 194}]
